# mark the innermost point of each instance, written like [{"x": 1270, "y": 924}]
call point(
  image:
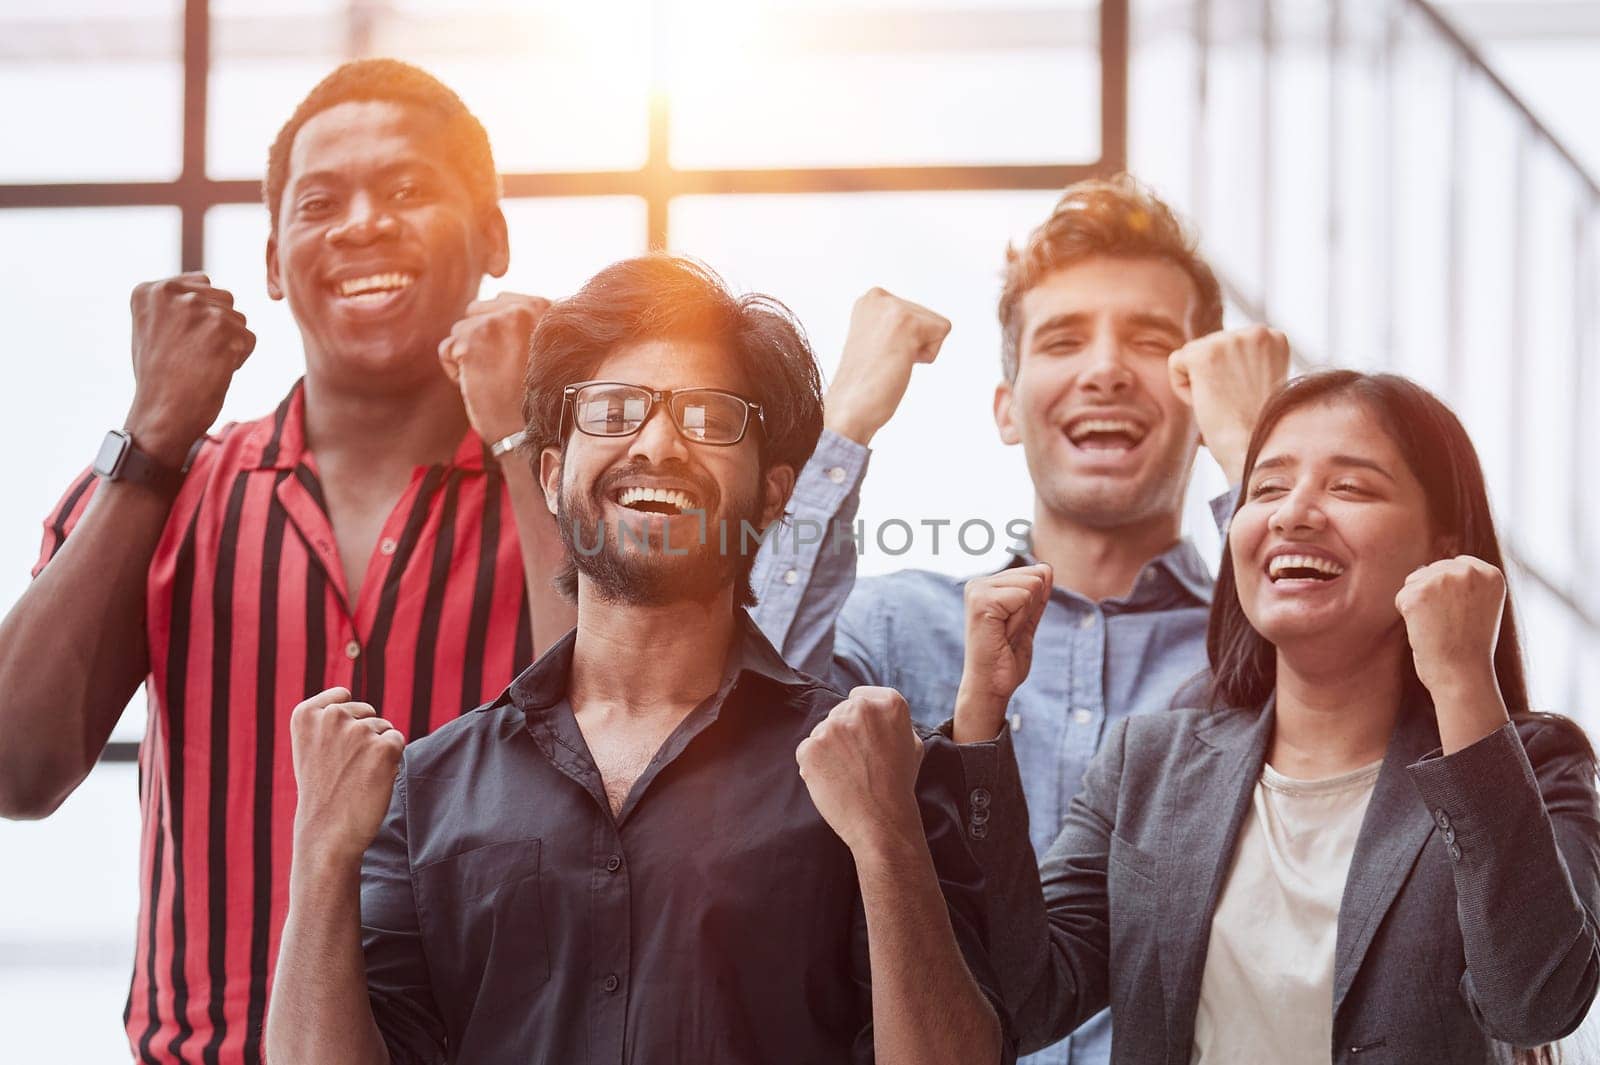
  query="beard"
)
[{"x": 635, "y": 568}]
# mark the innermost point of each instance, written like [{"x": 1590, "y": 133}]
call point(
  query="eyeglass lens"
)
[{"x": 620, "y": 410}]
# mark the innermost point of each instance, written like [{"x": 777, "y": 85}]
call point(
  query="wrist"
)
[
  {"x": 979, "y": 716},
  {"x": 168, "y": 447},
  {"x": 1461, "y": 682},
  {"x": 1228, "y": 448},
  {"x": 849, "y": 423},
  {"x": 890, "y": 847},
  {"x": 319, "y": 858},
  {"x": 498, "y": 428}
]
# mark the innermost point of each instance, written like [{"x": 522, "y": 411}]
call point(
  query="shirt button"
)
[
  {"x": 352, "y": 649},
  {"x": 1441, "y": 819},
  {"x": 387, "y": 546},
  {"x": 613, "y": 863},
  {"x": 611, "y": 983},
  {"x": 1082, "y": 716},
  {"x": 791, "y": 576},
  {"x": 1016, "y": 722},
  {"x": 836, "y": 474},
  {"x": 1087, "y": 622}
]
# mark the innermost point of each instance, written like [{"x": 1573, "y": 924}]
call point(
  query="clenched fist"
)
[
  {"x": 1226, "y": 377},
  {"x": 345, "y": 758},
  {"x": 1003, "y": 612},
  {"x": 887, "y": 337},
  {"x": 486, "y": 355},
  {"x": 860, "y": 765},
  {"x": 187, "y": 343},
  {"x": 1452, "y": 612}
]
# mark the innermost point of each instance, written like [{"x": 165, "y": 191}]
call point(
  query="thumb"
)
[
  {"x": 1178, "y": 376},
  {"x": 447, "y": 358}
]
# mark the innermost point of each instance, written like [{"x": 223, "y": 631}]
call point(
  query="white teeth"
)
[
  {"x": 1282, "y": 563},
  {"x": 377, "y": 283},
  {"x": 1087, "y": 426},
  {"x": 670, "y": 496}
]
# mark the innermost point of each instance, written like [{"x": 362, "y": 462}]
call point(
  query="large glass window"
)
[
  {"x": 93, "y": 91},
  {"x": 612, "y": 123}
]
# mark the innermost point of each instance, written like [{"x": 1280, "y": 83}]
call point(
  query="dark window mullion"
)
[{"x": 192, "y": 179}]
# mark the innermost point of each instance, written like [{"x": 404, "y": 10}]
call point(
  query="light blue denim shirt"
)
[{"x": 1093, "y": 662}]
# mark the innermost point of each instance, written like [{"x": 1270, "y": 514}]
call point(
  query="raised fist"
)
[
  {"x": 345, "y": 758},
  {"x": 888, "y": 336},
  {"x": 486, "y": 355},
  {"x": 1226, "y": 377},
  {"x": 1003, "y": 612},
  {"x": 187, "y": 343},
  {"x": 860, "y": 765},
  {"x": 1452, "y": 614}
]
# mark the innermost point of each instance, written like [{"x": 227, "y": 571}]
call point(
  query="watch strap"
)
[
  {"x": 137, "y": 467},
  {"x": 506, "y": 444},
  {"x": 141, "y": 468}
]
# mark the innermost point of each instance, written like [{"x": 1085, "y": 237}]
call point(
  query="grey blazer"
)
[{"x": 1468, "y": 920}]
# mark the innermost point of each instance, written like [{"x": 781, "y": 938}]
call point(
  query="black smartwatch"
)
[{"x": 120, "y": 460}]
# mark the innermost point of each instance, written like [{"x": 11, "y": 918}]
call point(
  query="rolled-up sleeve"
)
[
  {"x": 1520, "y": 819},
  {"x": 807, "y": 567},
  {"x": 943, "y": 799},
  {"x": 398, "y": 984},
  {"x": 1049, "y": 927}
]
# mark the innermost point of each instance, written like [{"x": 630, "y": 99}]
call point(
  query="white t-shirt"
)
[{"x": 1267, "y": 991}]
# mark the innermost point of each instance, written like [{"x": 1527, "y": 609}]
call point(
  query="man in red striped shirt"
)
[{"x": 367, "y": 534}]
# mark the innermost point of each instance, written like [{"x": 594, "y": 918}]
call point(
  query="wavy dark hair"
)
[
  {"x": 1437, "y": 450},
  {"x": 1115, "y": 216},
  {"x": 671, "y": 297}
]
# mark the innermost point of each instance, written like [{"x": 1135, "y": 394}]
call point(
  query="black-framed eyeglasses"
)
[{"x": 614, "y": 408}]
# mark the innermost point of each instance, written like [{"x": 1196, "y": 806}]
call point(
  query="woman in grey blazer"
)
[{"x": 1367, "y": 849}]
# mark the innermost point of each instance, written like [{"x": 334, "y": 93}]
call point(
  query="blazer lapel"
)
[
  {"x": 1203, "y": 815},
  {"x": 1393, "y": 832}
]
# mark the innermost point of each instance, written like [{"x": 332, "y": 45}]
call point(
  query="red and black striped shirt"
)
[{"x": 247, "y": 615}]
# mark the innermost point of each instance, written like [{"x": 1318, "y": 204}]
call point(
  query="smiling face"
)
[
  {"x": 1332, "y": 523},
  {"x": 379, "y": 246},
  {"x": 1108, "y": 443},
  {"x": 633, "y": 497}
]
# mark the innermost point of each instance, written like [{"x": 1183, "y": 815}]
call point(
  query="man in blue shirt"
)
[{"x": 1114, "y": 367}]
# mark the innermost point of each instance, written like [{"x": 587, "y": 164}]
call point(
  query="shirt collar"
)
[
  {"x": 544, "y": 684},
  {"x": 278, "y": 441},
  {"x": 1179, "y": 568}
]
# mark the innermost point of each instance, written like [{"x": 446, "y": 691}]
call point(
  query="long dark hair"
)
[{"x": 1439, "y": 453}]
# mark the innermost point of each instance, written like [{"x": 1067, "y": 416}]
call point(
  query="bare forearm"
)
[
  {"x": 542, "y": 555},
  {"x": 1469, "y": 709},
  {"x": 73, "y": 650},
  {"x": 319, "y": 1010},
  {"x": 926, "y": 1007}
]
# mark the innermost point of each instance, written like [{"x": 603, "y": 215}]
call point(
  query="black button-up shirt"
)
[{"x": 507, "y": 916}]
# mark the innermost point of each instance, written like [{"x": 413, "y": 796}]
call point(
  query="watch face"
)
[{"x": 108, "y": 463}]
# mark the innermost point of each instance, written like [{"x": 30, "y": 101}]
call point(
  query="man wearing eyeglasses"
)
[{"x": 661, "y": 843}]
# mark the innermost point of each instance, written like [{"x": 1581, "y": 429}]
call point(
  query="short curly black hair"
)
[{"x": 389, "y": 79}]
